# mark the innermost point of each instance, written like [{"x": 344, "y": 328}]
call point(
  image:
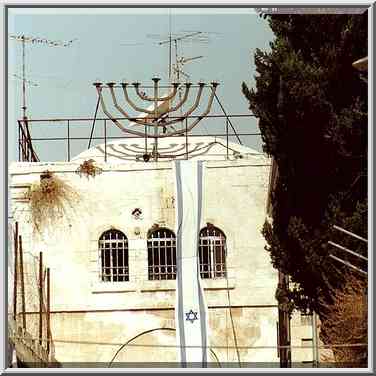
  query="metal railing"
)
[{"x": 26, "y": 150}]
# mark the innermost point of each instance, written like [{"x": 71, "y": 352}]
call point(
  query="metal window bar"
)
[
  {"x": 212, "y": 253},
  {"x": 162, "y": 255},
  {"x": 113, "y": 252}
]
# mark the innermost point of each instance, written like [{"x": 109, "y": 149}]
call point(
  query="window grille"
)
[
  {"x": 113, "y": 253},
  {"x": 162, "y": 255},
  {"x": 212, "y": 253}
]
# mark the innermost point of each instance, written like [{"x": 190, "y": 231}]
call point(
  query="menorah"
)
[{"x": 157, "y": 116}]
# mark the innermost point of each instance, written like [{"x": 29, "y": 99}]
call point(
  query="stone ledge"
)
[
  {"x": 157, "y": 285},
  {"x": 219, "y": 284},
  {"x": 163, "y": 285},
  {"x": 170, "y": 285},
  {"x": 112, "y": 287}
]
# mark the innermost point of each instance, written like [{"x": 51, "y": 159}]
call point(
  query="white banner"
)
[{"x": 191, "y": 315}]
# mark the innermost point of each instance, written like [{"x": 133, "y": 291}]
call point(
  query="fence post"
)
[
  {"x": 40, "y": 297},
  {"x": 15, "y": 273},
  {"x": 48, "y": 311},
  {"x": 22, "y": 284}
]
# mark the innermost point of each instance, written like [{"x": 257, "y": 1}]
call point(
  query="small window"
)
[
  {"x": 113, "y": 253},
  {"x": 161, "y": 254},
  {"x": 212, "y": 253}
]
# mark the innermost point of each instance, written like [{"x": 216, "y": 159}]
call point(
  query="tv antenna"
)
[
  {"x": 175, "y": 39},
  {"x": 177, "y": 68},
  {"x": 33, "y": 40},
  {"x": 29, "y": 82}
]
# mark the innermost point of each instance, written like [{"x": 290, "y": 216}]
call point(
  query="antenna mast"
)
[
  {"x": 176, "y": 40},
  {"x": 23, "y": 39},
  {"x": 169, "y": 51},
  {"x": 23, "y": 79}
]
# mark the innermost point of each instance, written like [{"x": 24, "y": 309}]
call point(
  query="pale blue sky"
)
[{"x": 65, "y": 75}]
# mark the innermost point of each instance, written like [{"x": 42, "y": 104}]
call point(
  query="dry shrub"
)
[
  {"x": 346, "y": 323},
  {"x": 50, "y": 200},
  {"x": 88, "y": 168}
]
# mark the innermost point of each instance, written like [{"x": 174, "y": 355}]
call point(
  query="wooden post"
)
[
  {"x": 40, "y": 297},
  {"x": 284, "y": 325},
  {"x": 22, "y": 283},
  {"x": 186, "y": 138},
  {"x": 316, "y": 357},
  {"x": 15, "y": 273},
  {"x": 48, "y": 311}
]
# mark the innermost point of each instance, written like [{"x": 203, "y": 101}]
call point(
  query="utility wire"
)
[
  {"x": 329, "y": 346},
  {"x": 231, "y": 318}
]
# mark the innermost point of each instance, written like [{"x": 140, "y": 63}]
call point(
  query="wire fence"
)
[{"x": 30, "y": 292}]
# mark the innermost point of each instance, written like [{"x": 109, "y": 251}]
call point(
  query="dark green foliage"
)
[{"x": 312, "y": 110}]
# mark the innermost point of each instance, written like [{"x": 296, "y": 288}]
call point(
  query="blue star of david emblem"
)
[{"x": 191, "y": 316}]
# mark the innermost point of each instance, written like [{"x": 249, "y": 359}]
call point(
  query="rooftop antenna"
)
[
  {"x": 33, "y": 40},
  {"x": 178, "y": 66},
  {"x": 178, "y": 71},
  {"x": 170, "y": 38},
  {"x": 175, "y": 40},
  {"x": 175, "y": 69},
  {"x": 29, "y": 82}
]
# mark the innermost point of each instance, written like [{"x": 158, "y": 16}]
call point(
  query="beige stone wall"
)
[
  {"x": 234, "y": 200},
  {"x": 97, "y": 336}
]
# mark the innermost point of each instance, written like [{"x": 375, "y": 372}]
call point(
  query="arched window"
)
[
  {"x": 113, "y": 253},
  {"x": 212, "y": 253},
  {"x": 161, "y": 254}
]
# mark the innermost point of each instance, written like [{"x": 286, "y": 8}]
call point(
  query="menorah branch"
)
[
  {"x": 143, "y": 96},
  {"x": 190, "y": 111},
  {"x": 159, "y": 105},
  {"x": 155, "y": 119},
  {"x": 116, "y": 122},
  {"x": 121, "y": 110},
  {"x": 150, "y": 121},
  {"x": 182, "y": 101},
  {"x": 195, "y": 122}
]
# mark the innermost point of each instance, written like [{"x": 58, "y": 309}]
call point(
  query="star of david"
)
[{"x": 191, "y": 316}]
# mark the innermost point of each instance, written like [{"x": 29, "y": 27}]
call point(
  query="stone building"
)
[
  {"x": 112, "y": 261},
  {"x": 133, "y": 202}
]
